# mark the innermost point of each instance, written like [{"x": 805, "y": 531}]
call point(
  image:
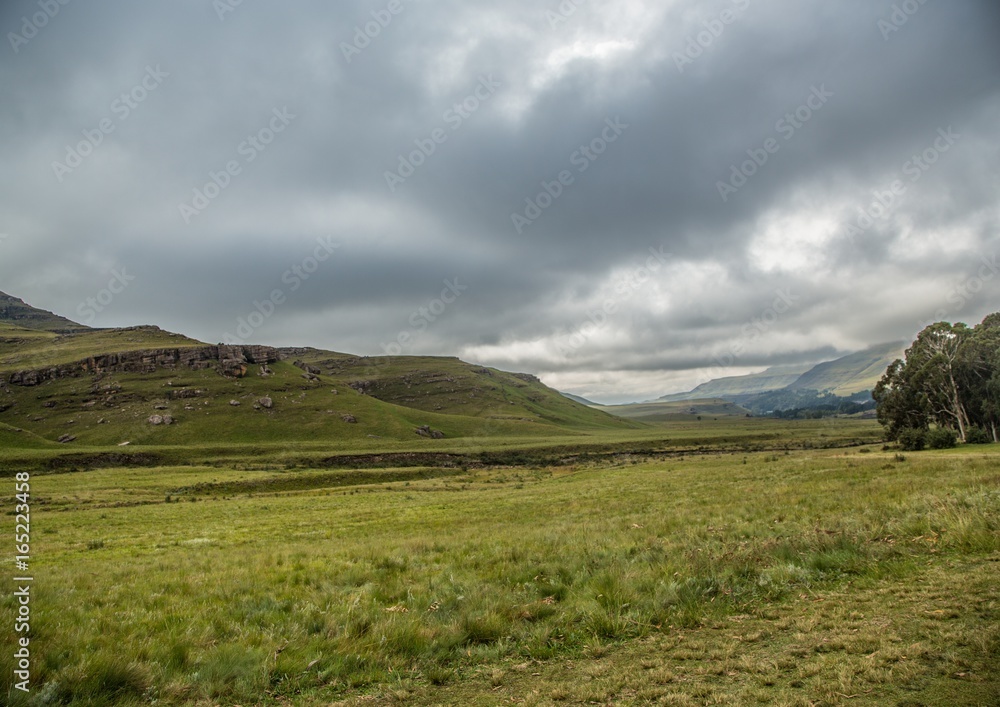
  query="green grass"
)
[
  {"x": 676, "y": 410},
  {"x": 448, "y": 385},
  {"x": 712, "y": 576},
  {"x": 23, "y": 349}
]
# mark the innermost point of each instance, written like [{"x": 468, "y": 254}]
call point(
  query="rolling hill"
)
[{"x": 146, "y": 386}]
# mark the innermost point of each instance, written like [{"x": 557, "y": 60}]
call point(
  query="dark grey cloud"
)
[{"x": 534, "y": 296}]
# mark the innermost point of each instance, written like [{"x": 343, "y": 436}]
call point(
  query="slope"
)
[
  {"x": 66, "y": 385},
  {"x": 26, "y": 349},
  {"x": 19, "y": 313},
  {"x": 851, "y": 374},
  {"x": 451, "y": 386},
  {"x": 774, "y": 378},
  {"x": 581, "y": 400}
]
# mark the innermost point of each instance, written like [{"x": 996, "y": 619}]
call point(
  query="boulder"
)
[
  {"x": 266, "y": 402},
  {"x": 351, "y": 419}
]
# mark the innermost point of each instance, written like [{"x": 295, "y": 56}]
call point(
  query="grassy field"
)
[
  {"x": 676, "y": 411},
  {"x": 724, "y": 561}
]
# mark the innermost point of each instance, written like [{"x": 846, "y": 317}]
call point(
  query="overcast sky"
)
[{"x": 700, "y": 176}]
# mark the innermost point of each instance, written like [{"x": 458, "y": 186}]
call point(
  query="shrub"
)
[
  {"x": 941, "y": 438},
  {"x": 912, "y": 439},
  {"x": 977, "y": 435}
]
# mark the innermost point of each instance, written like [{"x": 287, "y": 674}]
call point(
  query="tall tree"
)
[
  {"x": 950, "y": 376},
  {"x": 899, "y": 404}
]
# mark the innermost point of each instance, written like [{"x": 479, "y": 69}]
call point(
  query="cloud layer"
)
[{"x": 620, "y": 195}]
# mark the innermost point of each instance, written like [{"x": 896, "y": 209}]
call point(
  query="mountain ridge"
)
[
  {"x": 844, "y": 376},
  {"x": 19, "y": 313}
]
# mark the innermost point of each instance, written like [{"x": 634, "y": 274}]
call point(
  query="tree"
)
[
  {"x": 950, "y": 377},
  {"x": 899, "y": 405},
  {"x": 982, "y": 362},
  {"x": 936, "y": 357}
]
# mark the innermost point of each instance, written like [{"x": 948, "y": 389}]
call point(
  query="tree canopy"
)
[{"x": 950, "y": 377}]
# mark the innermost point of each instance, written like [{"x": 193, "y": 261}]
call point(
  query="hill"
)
[
  {"x": 146, "y": 386},
  {"x": 774, "y": 378},
  {"x": 851, "y": 374},
  {"x": 18, "y": 313}
]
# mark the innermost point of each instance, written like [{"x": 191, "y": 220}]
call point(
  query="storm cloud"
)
[{"x": 612, "y": 195}]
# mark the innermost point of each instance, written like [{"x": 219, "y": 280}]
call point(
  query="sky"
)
[{"x": 625, "y": 198}]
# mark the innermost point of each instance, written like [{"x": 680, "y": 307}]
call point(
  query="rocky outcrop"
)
[{"x": 230, "y": 360}]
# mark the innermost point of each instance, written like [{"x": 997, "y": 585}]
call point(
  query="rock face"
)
[
  {"x": 230, "y": 360},
  {"x": 312, "y": 370}
]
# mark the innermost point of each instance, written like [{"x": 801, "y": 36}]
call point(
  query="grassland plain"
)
[{"x": 692, "y": 571}]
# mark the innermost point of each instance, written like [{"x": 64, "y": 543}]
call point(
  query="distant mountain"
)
[
  {"x": 774, "y": 378},
  {"x": 662, "y": 411},
  {"x": 851, "y": 374},
  {"x": 843, "y": 377},
  {"x": 17, "y": 312},
  {"x": 578, "y": 399}
]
